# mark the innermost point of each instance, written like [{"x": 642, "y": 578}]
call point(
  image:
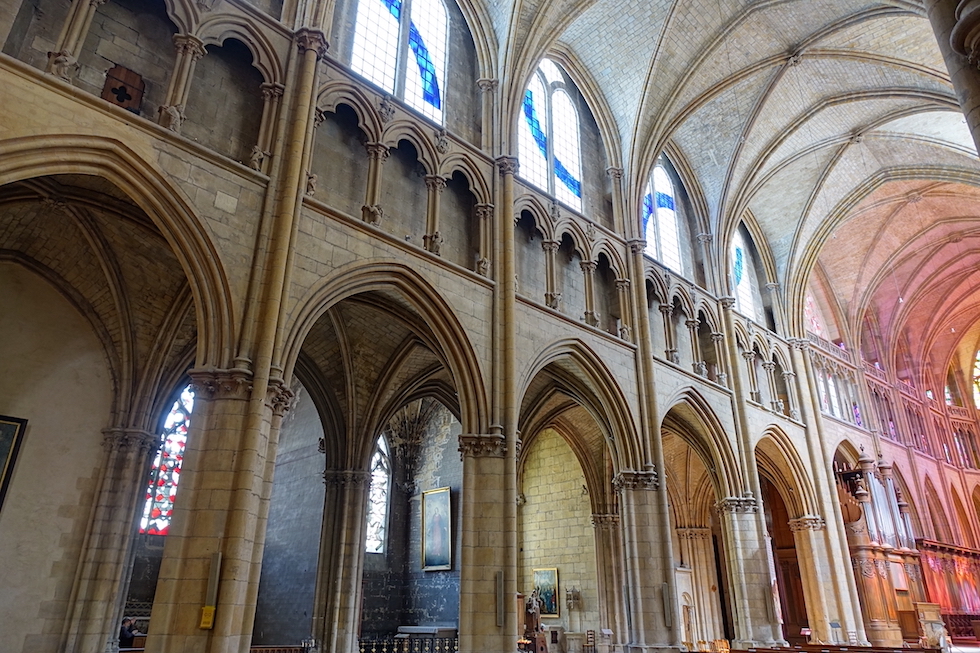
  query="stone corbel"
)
[
  {"x": 633, "y": 480},
  {"x": 482, "y": 446},
  {"x": 233, "y": 383}
]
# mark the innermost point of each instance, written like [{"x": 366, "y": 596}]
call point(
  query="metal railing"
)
[{"x": 403, "y": 644}]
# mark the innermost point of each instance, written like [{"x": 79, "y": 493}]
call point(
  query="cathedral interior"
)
[{"x": 579, "y": 326}]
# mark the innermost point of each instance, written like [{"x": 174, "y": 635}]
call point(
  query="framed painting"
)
[
  {"x": 11, "y": 435},
  {"x": 437, "y": 548},
  {"x": 546, "y": 585}
]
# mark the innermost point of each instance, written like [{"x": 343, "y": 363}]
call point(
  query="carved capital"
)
[
  {"x": 508, "y": 165},
  {"x": 550, "y": 245},
  {"x": 605, "y": 522},
  {"x": 484, "y": 211},
  {"x": 727, "y": 303},
  {"x": 632, "y": 480},
  {"x": 666, "y": 309},
  {"x": 692, "y": 324},
  {"x": 188, "y": 45},
  {"x": 623, "y": 285},
  {"x": 637, "y": 245},
  {"x": 614, "y": 172},
  {"x": 693, "y": 533},
  {"x": 122, "y": 439},
  {"x": 965, "y": 36},
  {"x": 221, "y": 384},
  {"x": 435, "y": 183},
  {"x": 749, "y": 355},
  {"x": 801, "y": 344},
  {"x": 487, "y": 85},
  {"x": 768, "y": 366},
  {"x": 279, "y": 397},
  {"x": 482, "y": 446},
  {"x": 347, "y": 478},
  {"x": 271, "y": 90},
  {"x": 377, "y": 151},
  {"x": 772, "y": 286},
  {"x": 588, "y": 267},
  {"x": 312, "y": 40},
  {"x": 743, "y": 504},
  {"x": 705, "y": 238},
  {"x": 807, "y": 523},
  {"x": 717, "y": 336}
]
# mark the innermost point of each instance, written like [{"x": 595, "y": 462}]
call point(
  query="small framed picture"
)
[
  {"x": 11, "y": 436},
  {"x": 437, "y": 548},
  {"x": 546, "y": 584}
]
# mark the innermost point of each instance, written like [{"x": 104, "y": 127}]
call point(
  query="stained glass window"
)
[
  {"x": 165, "y": 473},
  {"x": 743, "y": 273},
  {"x": 377, "y": 512},
  {"x": 812, "y": 315},
  {"x": 548, "y": 136},
  {"x": 413, "y": 31},
  {"x": 660, "y": 227}
]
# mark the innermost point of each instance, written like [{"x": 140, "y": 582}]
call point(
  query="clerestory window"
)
[
  {"x": 401, "y": 46},
  {"x": 745, "y": 283},
  {"x": 161, "y": 491},
  {"x": 660, "y": 227},
  {"x": 548, "y": 136},
  {"x": 378, "y": 497}
]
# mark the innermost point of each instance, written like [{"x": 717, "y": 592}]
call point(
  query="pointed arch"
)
[
  {"x": 218, "y": 28},
  {"x": 336, "y": 92},
  {"x": 777, "y": 457}
]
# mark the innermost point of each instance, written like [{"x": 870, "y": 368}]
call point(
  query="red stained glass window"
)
[{"x": 165, "y": 472}]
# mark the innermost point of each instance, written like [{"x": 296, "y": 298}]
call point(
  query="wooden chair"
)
[{"x": 589, "y": 646}]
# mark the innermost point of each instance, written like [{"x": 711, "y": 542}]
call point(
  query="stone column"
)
[
  {"x": 590, "y": 316},
  {"x": 552, "y": 295},
  {"x": 774, "y": 402},
  {"x": 626, "y": 322},
  {"x": 749, "y": 358},
  {"x": 484, "y": 545},
  {"x": 189, "y": 50},
  {"x": 372, "y": 211},
  {"x": 100, "y": 585},
  {"x": 789, "y": 380},
  {"x": 616, "y": 181},
  {"x": 652, "y": 613},
  {"x": 718, "y": 340},
  {"x": 809, "y": 536},
  {"x": 956, "y": 23},
  {"x": 840, "y": 590},
  {"x": 336, "y": 618},
  {"x": 63, "y": 62},
  {"x": 488, "y": 88},
  {"x": 747, "y": 562},
  {"x": 609, "y": 556},
  {"x": 667, "y": 311},
  {"x": 692, "y": 334},
  {"x": 484, "y": 216},
  {"x": 704, "y": 240},
  {"x": 432, "y": 240},
  {"x": 262, "y": 150}
]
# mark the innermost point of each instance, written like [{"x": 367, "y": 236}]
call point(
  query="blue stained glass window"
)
[
  {"x": 739, "y": 265},
  {"x": 378, "y": 47},
  {"x": 665, "y": 201},
  {"x": 534, "y": 123},
  {"x": 647, "y": 210}
]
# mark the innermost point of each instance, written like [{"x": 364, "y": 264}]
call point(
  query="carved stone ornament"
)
[
  {"x": 591, "y": 318},
  {"x": 120, "y": 439},
  {"x": 171, "y": 117},
  {"x": 312, "y": 39},
  {"x": 864, "y": 567},
  {"x": 386, "y": 109},
  {"x": 590, "y": 232},
  {"x": 807, "y": 523},
  {"x": 372, "y": 213},
  {"x": 487, "y": 85},
  {"x": 482, "y": 446},
  {"x": 347, "y": 478},
  {"x": 206, "y": 5},
  {"x": 62, "y": 64},
  {"x": 442, "y": 141},
  {"x": 189, "y": 46},
  {"x": 693, "y": 533},
  {"x": 483, "y": 266},
  {"x": 256, "y": 158},
  {"x": 553, "y": 300},
  {"x": 508, "y": 165},
  {"x": 221, "y": 384},
  {"x": 614, "y": 172},
  {"x": 743, "y": 504},
  {"x": 637, "y": 245},
  {"x": 433, "y": 243},
  {"x": 631, "y": 480},
  {"x": 311, "y": 180},
  {"x": 605, "y": 521},
  {"x": 378, "y": 151},
  {"x": 279, "y": 397},
  {"x": 727, "y": 303}
]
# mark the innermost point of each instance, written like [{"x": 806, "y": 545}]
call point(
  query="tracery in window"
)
[
  {"x": 660, "y": 226},
  {"x": 409, "y": 36},
  {"x": 378, "y": 494},
  {"x": 165, "y": 473},
  {"x": 548, "y": 136}
]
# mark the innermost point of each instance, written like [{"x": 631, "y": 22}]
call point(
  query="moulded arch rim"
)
[
  {"x": 703, "y": 306},
  {"x": 781, "y": 357},
  {"x": 182, "y": 15},
  {"x": 539, "y": 213},
  {"x": 800, "y": 479},
  {"x": 190, "y": 241},
  {"x": 687, "y": 302},
  {"x": 458, "y": 162},
  {"x": 612, "y": 401},
  {"x": 762, "y": 345},
  {"x": 607, "y": 247},
  {"x": 337, "y": 92},
  {"x": 400, "y": 130},
  {"x": 217, "y": 29},
  {"x": 359, "y": 277},
  {"x": 742, "y": 338},
  {"x": 652, "y": 275},
  {"x": 568, "y": 226},
  {"x": 711, "y": 434}
]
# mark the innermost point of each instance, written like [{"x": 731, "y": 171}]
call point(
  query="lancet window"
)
[
  {"x": 401, "y": 46},
  {"x": 661, "y": 227},
  {"x": 378, "y": 498},
  {"x": 548, "y": 136},
  {"x": 161, "y": 490}
]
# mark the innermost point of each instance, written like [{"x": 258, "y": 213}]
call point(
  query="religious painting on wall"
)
[
  {"x": 546, "y": 585},
  {"x": 436, "y": 530},
  {"x": 11, "y": 435}
]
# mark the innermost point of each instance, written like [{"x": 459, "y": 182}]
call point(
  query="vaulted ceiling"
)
[{"x": 829, "y": 126}]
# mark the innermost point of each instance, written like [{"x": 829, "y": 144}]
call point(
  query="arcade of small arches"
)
[{"x": 419, "y": 334}]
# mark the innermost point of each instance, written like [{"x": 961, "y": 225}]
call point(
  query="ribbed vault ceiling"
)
[{"x": 814, "y": 120}]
